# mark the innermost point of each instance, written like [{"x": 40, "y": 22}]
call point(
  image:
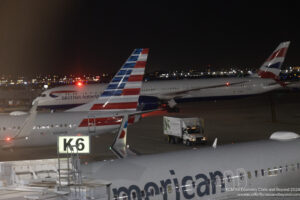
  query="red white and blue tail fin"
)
[
  {"x": 272, "y": 66},
  {"x": 119, "y": 146},
  {"x": 123, "y": 91}
]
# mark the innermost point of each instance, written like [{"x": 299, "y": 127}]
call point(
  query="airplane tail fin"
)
[
  {"x": 123, "y": 91},
  {"x": 119, "y": 146},
  {"x": 272, "y": 66}
]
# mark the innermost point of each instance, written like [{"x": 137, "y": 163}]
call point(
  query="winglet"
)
[
  {"x": 29, "y": 122},
  {"x": 215, "y": 143},
  {"x": 119, "y": 146}
]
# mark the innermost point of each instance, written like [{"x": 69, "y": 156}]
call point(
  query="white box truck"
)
[{"x": 184, "y": 130}]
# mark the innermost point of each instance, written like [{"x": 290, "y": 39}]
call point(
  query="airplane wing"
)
[
  {"x": 119, "y": 146},
  {"x": 29, "y": 122},
  {"x": 185, "y": 92}
]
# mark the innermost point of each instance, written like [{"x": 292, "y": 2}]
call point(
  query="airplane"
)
[
  {"x": 172, "y": 91},
  {"x": 103, "y": 114},
  {"x": 233, "y": 171}
]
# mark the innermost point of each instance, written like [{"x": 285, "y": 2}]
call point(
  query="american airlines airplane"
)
[
  {"x": 255, "y": 169},
  {"x": 103, "y": 114},
  {"x": 153, "y": 92}
]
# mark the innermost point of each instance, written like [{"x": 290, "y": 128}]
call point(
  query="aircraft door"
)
[{"x": 91, "y": 124}]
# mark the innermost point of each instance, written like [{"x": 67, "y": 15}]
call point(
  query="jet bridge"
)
[{"x": 49, "y": 179}]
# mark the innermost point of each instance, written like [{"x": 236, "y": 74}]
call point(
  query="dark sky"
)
[{"x": 75, "y": 37}]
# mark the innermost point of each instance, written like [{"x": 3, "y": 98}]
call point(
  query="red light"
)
[
  {"x": 227, "y": 83},
  {"x": 79, "y": 84},
  {"x": 8, "y": 139},
  {"x": 78, "y": 134}
]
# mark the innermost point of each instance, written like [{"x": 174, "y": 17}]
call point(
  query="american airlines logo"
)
[{"x": 188, "y": 186}]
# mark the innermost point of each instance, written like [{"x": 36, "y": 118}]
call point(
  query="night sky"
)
[{"x": 92, "y": 37}]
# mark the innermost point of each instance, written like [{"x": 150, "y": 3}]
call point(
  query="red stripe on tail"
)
[
  {"x": 140, "y": 64},
  {"x": 131, "y": 91},
  {"x": 278, "y": 53},
  {"x": 133, "y": 78},
  {"x": 145, "y": 51}
]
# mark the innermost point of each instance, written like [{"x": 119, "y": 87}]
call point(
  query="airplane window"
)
[
  {"x": 249, "y": 175},
  {"x": 269, "y": 172},
  {"x": 262, "y": 172},
  {"x": 61, "y": 125},
  {"x": 19, "y": 127},
  {"x": 293, "y": 167},
  {"x": 51, "y": 125},
  {"x": 66, "y": 125},
  {"x": 298, "y": 165},
  {"x": 256, "y": 173},
  {"x": 4, "y": 128},
  {"x": 275, "y": 170}
]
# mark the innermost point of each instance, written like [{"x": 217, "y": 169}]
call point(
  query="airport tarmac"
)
[{"x": 231, "y": 121}]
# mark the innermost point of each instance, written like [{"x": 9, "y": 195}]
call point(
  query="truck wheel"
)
[
  {"x": 172, "y": 140},
  {"x": 169, "y": 139},
  {"x": 188, "y": 143},
  {"x": 176, "y": 109}
]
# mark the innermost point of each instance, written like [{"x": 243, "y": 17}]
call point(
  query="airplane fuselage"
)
[
  {"x": 47, "y": 126},
  {"x": 71, "y": 95},
  {"x": 228, "y": 171}
]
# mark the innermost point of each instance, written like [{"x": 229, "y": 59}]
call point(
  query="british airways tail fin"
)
[
  {"x": 123, "y": 91},
  {"x": 272, "y": 66}
]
